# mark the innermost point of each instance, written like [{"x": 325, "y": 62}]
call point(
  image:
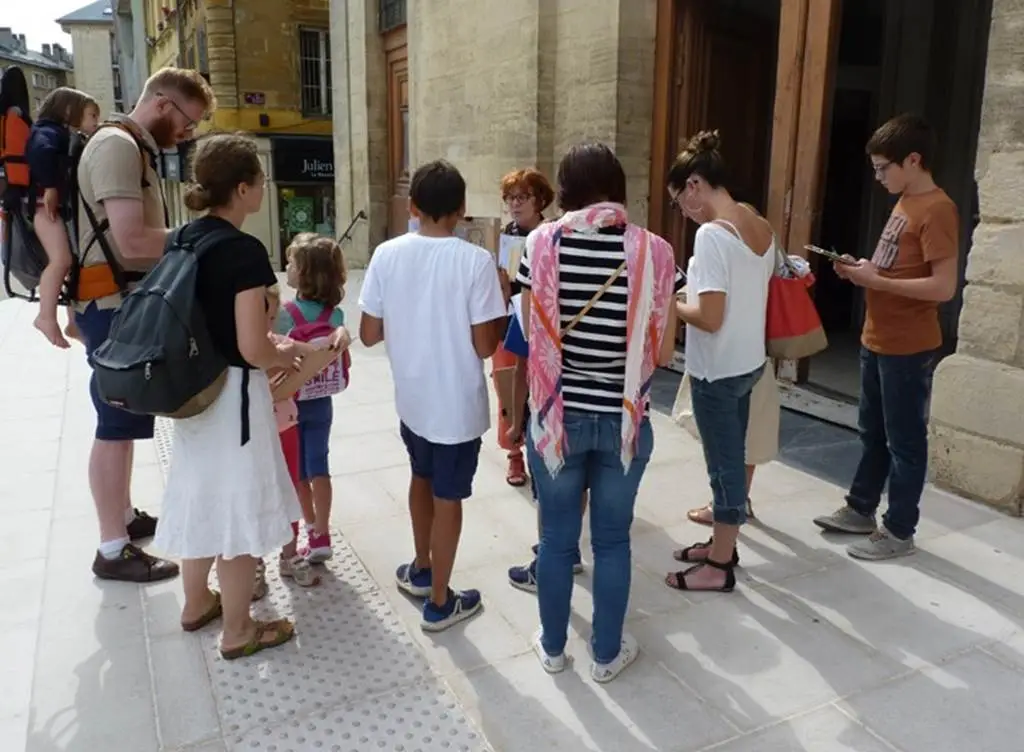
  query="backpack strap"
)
[
  {"x": 296, "y": 313},
  {"x": 122, "y": 278},
  {"x": 209, "y": 240},
  {"x": 325, "y": 315},
  {"x": 199, "y": 248}
]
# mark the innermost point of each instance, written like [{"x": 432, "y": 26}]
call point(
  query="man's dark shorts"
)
[
  {"x": 449, "y": 467},
  {"x": 112, "y": 424}
]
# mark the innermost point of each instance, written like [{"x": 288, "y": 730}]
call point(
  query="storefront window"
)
[
  {"x": 305, "y": 208},
  {"x": 303, "y": 169}
]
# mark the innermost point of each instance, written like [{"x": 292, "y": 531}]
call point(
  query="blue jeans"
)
[
  {"x": 315, "y": 419},
  {"x": 593, "y": 443},
  {"x": 721, "y": 410},
  {"x": 893, "y": 423}
]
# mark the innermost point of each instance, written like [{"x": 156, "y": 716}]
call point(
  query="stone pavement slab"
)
[{"x": 814, "y": 651}]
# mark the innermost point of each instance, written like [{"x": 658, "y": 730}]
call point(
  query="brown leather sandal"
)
[
  {"x": 212, "y": 613},
  {"x": 281, "y": 629}
]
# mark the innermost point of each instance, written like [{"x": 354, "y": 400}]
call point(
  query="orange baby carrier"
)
[{"x": 14, "y": 132}]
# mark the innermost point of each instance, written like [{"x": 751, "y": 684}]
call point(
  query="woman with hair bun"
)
[
  {"x": 733, "y": 259},
  {"x": 229, "y": 497}
]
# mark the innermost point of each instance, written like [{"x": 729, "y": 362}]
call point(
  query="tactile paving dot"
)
[
  {"x": 422, "y": 718},
  {"x": 352, "y": 679}
]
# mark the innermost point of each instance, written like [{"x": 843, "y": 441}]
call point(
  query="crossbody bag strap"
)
[{"x": 593, "y": 301}]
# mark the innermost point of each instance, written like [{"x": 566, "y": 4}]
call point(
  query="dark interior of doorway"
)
[{"x": 894, "y": 56}]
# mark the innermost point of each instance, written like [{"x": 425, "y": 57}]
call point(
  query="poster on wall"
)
[
  {"x": 481, "y": 231},
  {"x": 299, "y": 215}
]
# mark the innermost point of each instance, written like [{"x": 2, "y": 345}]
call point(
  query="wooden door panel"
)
[
  {"x": 724, "y": 82},
  {"x": 398, "y": 132}
]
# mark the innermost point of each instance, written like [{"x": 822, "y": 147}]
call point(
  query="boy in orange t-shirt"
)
[{"x": 914, "y": 268}]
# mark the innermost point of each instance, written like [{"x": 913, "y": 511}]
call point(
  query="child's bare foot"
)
[
  {"x": 51, "y": 330},
  {"x": 71, "y": 331}
]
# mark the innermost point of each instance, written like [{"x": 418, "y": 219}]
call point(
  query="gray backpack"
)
[{"x": 159, "y": 358}]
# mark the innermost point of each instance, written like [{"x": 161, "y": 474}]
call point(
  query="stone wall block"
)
[
  {"x": 997, "y": 256},
  {"x": 990, "y": 323},
  {"x": 1001, "y": 185},
  {"x": 977, "y": 467},
  {"x": 980, "y": 397}
]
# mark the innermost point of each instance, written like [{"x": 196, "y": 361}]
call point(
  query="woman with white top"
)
[{"x": 733, "y": 259}]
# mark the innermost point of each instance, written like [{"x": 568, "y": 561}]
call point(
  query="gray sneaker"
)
[
  {"x": 881, "y": 545},
  {"x": 846, "y": 520}
]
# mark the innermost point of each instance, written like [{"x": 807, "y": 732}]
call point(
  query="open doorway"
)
[
  {"x": 894, "y": 56},
  {"x": 721, "y": 75}
]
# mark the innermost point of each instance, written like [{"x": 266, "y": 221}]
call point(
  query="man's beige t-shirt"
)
[{"x": 112, "y": 167}]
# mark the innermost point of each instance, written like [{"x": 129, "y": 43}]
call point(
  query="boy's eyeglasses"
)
[
  {"x": 880, "y": 169},
  {"x": 518, "y": 198}
]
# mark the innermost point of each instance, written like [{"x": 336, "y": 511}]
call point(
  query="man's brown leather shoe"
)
[{"x": 133, "y": 565}]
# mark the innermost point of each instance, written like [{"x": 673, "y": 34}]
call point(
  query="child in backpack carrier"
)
[
  {"x": 317, "y": 271},
  {"x": 49, "y": 160}
]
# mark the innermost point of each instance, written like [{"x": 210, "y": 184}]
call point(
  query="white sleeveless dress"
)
[{"x": 222, "y": 498}]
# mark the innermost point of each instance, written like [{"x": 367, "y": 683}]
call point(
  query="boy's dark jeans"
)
[{"x": 893, "y": 422}]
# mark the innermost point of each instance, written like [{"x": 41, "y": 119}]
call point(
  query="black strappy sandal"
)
[
  {"x": 683, "y": 554},
  {"x": 677, "y": 580}
]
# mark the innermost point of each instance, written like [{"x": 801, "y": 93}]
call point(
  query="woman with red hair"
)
[{"x": 526, "y": 193}]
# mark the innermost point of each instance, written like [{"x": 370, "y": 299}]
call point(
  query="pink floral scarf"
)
[{"x": 650, "y": 273}]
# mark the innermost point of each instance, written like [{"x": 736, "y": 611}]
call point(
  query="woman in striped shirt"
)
[{"x": 598, "y": 308}]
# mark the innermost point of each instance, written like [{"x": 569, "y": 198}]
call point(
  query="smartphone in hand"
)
[{"x": 832, "y": 255}]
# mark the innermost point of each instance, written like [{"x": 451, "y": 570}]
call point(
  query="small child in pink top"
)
[{"x": 286, "y": 412}]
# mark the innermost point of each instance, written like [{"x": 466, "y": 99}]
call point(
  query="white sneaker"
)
[
  {"x": 603, "y": 673},
  {"x": 553, "y": 664}
]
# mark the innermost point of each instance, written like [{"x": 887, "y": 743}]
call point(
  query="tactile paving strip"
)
[{"x": 352, "y": 680}]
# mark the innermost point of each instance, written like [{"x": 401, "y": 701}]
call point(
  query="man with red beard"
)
[{"x": 122, "y": 229}]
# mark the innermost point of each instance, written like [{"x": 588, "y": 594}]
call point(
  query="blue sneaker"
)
[
  {"x": 577, "y": 567},
  {"x": 416, "y": 582},
  {"x": 460, "y": 606},
  {"x": 524, "y": 578}
]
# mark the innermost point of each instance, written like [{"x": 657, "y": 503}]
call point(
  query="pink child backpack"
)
[{"x": 334, "y": 378}]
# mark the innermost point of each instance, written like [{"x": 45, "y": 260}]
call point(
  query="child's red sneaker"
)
[{"x": 318, "y": 548}]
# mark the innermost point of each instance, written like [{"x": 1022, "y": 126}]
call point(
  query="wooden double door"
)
[{"x": 759, "y": 72}]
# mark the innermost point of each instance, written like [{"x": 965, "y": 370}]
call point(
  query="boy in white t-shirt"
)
[{"x": 437, "y": 304}]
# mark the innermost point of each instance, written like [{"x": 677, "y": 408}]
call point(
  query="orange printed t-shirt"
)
[{"x": 922, "y": 229}]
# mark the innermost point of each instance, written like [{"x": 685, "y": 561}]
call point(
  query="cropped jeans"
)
[
  {"x": 592, "y": 460},
  {"x": 721, "y": 409}
]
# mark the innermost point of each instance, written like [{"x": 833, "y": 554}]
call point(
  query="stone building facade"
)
[
  {"x": 44, "y": 71},
  {"x": 269, "y": 64},
  {"x": 97, "y": 70},
  {"x": 492, "y": 87},
  {"x": 977, "y": 421}
]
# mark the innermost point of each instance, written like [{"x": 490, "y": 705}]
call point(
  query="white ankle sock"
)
[{"x": 112, "y": 549}]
